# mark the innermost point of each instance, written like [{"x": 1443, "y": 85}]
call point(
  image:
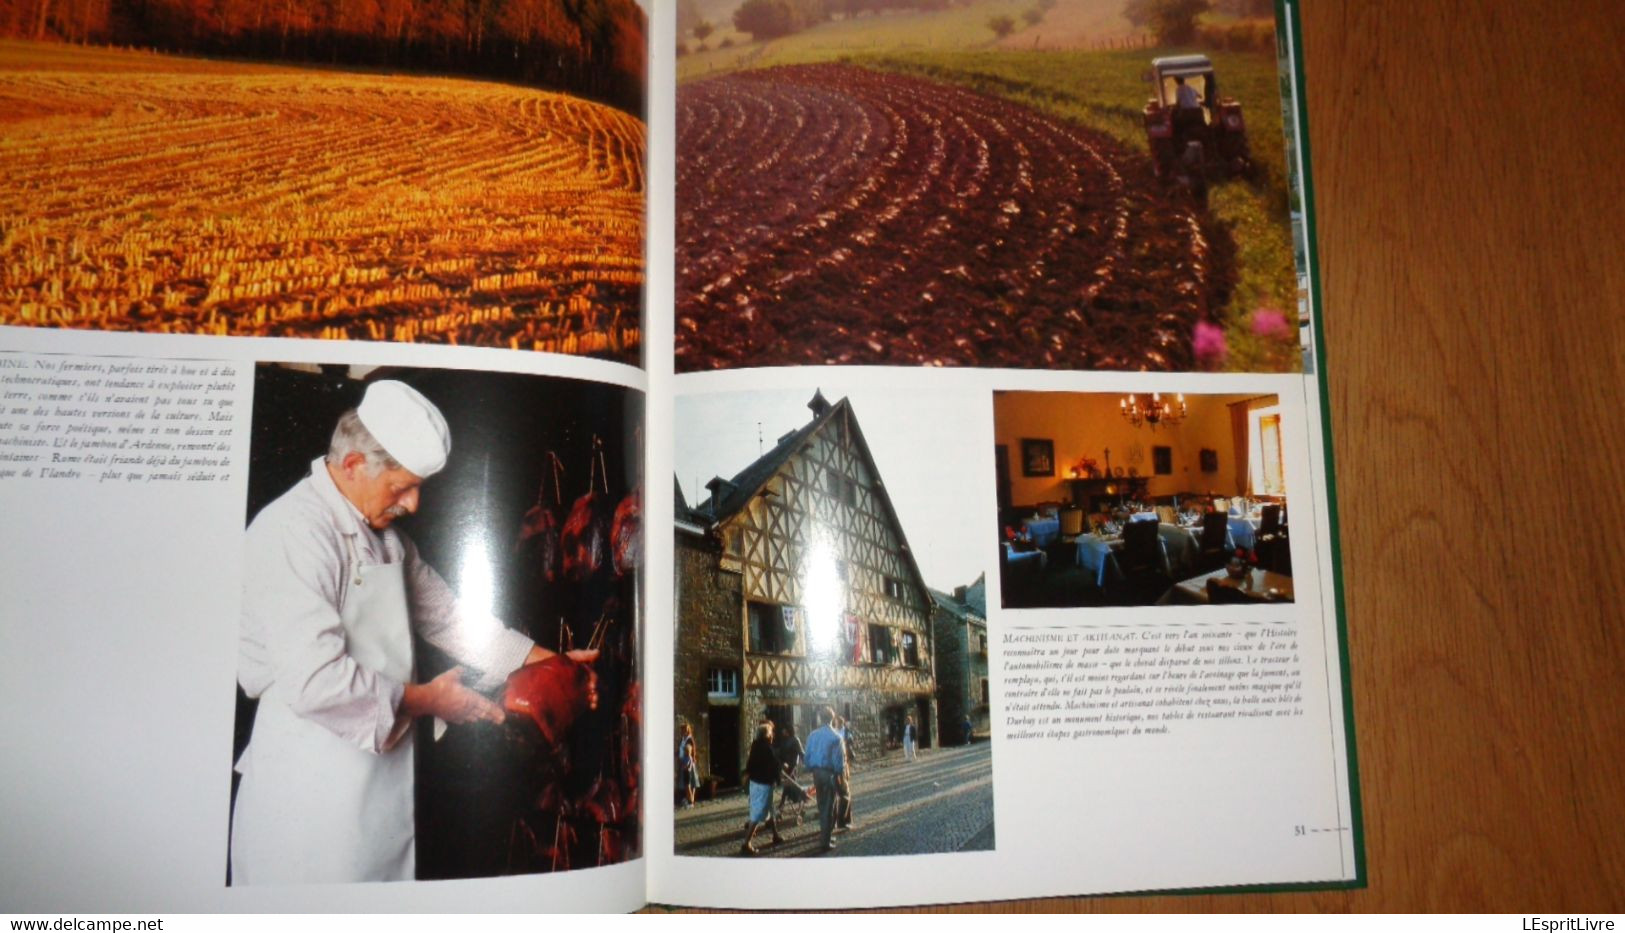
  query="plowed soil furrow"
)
[{"x": 828, "y": 213}]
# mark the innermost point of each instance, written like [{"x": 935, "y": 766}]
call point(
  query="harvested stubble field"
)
[
  {"x": 150, "y": 193},
  {"x": 832, "y": 214}
]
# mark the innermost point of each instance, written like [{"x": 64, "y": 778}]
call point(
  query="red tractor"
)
[{"x": 1194, "y": 133}]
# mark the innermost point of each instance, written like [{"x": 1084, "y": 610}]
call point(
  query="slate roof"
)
[
  {"x": 963, "y": 611},
  {"x": 749, "y": 481},
  {"x": 686, "y": 516}
]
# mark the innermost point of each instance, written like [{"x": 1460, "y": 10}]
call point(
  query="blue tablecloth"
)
[
  {"x": 1024, "y": 561},
  {"x": 1241, "y": 532},
  {"x": 1098, "y": 555},
  {"x": 1043, "y": 531},
  {"x": 1179, "y": 545}
]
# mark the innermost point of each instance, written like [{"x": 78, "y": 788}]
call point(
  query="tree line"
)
[
  {"x": 769, "y": 19},
  {"x": 592, "y": 48},
  {"x": 1177, "y": 22}
]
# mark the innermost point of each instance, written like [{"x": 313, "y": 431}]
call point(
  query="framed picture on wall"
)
[
  {"x": 1210, "y": 461},
  {"x": 1162, "y": 461},
  {"x": 1037, "y": 456}
]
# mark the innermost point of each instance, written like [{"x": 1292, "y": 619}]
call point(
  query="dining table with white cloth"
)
[
  {"x": 1244, "y": 529},
  {"x": 1043, "y": 531},
  {"x": 1097, "y": 554}
]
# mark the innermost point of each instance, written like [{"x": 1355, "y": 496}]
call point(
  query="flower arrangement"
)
[
  {"x": 1019, "y": 539},
  {"x": 1086, "y": 467},
  {"x": 1241, "y": 562}
]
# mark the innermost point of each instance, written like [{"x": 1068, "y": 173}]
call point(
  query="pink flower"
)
[
  {"x": 1208, "y": 344},
  {"x": 1270, "y": 323}
]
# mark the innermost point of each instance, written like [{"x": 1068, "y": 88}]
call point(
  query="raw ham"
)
[
  {"x": 539, "y": 528},
  {"x": 539, "y": 533},
  {"x": 584, "y": 539},
  {"x": 626, "y": 533},
  {"x": 553, "y": 693}
]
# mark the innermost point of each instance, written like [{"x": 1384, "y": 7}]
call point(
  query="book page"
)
[
  {"x": 1002, "y": 538},
  {"x": 322, "y": 426}
]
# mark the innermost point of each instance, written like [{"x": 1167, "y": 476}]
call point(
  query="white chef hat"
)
[{"x": 408, "y": 426}]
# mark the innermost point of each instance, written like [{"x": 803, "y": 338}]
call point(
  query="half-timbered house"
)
[{"x": 796, "y": 589}]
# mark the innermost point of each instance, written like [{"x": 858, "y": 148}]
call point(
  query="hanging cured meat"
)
[
  {"x": 626, "y": 533},
  {"x": 539, "y": 529},
  {"x": 553, "y": 693},
  {"x": 585, "y": 536}
]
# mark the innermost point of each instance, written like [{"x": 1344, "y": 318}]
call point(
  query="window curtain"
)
[
  {"x": 1240, "y": 429},
  {"x": 1238, "y": 436}
]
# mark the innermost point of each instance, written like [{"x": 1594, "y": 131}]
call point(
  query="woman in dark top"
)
[
  {"x": 689, "y": 774},
  {"x": 763, "y": 768}
]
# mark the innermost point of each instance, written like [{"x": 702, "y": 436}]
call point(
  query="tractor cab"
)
[
  {"x": 1185, "y": 109},
  {"x": 1194, "y": 71}
]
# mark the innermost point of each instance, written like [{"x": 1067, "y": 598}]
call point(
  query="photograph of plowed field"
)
[
  {"x": 157, "y": 193},
  {"x": 833, "y": 214}
]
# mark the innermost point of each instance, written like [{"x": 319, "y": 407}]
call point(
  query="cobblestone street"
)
[{"x": 941, "y": 802}]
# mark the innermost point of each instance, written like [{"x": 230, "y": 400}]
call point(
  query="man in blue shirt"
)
[{"x": 827, "y": 760}]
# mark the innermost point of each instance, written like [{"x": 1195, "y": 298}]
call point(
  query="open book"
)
[{"x": 592, "y": 454}]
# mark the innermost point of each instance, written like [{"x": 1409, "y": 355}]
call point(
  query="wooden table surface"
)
[
  {"x": 1469, "y": 166},
  {"x": 1259, "y": 583}
]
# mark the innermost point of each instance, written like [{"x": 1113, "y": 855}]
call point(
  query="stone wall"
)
[
  {"x": 960, "y": 671},
  {"x": 952, "y": 651},
  {"x": 709, "y": 632}
]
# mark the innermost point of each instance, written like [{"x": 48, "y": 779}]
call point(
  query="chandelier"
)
[{"x": 1152, "y": 412}]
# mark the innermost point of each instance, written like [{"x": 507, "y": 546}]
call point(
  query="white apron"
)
[{"x": 313, "y": 808}]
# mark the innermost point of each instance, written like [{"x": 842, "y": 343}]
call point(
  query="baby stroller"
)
[{"x": 794, "y": 798}]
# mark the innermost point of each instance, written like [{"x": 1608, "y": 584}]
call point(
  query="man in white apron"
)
[{"x": 332, "y": 595}]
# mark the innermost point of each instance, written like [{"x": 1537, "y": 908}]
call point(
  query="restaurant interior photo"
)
[{"x": 1140, "y": 499}]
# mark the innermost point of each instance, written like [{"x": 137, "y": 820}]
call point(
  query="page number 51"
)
[{"x": 1298, "y": 830}]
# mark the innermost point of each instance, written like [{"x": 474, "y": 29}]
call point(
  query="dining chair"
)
[
  {"x": 1270, "y": 522},
  {"x": 1211, "y": 546},
  {"x": 1271, "y": 541},
  {"x": 1071, "y": 523},
  {"x": 1142, "y": 549},
  {"x": 1142, "y": 564}
]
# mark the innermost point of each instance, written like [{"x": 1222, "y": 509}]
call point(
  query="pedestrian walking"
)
[
  {"x": 790, "y": 751},
  {"x": 908, "y": 739},
  {"x": 843, "y": 782},
  {"x": 763, "y": 769},
  {"x": 827, "y": 759},
  {"x": 688, "y": 769}
]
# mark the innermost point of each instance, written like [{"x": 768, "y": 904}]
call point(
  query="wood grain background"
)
[{"x": 1469, "y": 165}]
